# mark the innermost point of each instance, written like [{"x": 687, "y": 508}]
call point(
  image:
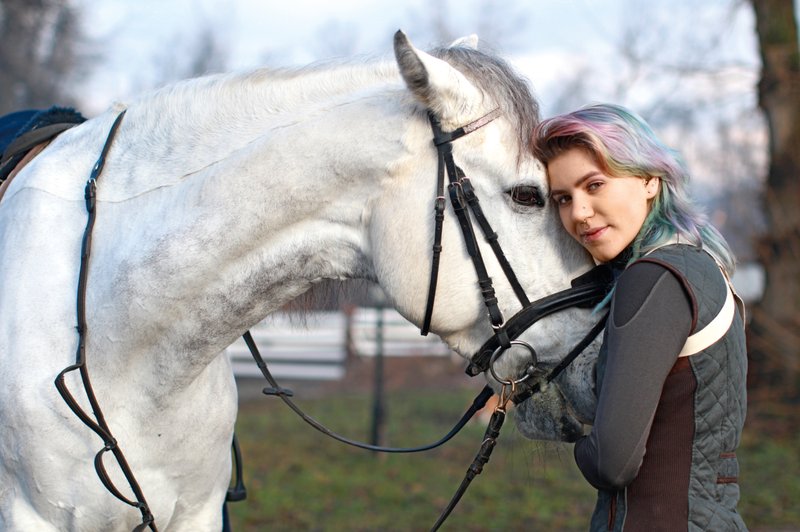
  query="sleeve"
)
[{"x": 651, "y": 317}]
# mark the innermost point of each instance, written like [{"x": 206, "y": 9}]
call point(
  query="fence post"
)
[{"x": 378, "y": 412}]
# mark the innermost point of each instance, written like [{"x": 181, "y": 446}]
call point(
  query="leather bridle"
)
[
  {"x": 462, "y": 198},
  {"x": 587, "y": 291}
]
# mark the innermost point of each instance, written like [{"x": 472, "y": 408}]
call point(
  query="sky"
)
[{"x": 551, "y": 38}]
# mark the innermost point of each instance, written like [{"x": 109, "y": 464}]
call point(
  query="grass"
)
[{"x": 300, "y": 480}]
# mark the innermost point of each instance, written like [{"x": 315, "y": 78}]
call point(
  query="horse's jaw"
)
[{"x": 560, "y": 410}]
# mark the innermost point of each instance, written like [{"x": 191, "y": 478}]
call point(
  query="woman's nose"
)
[{"x": 581, "y": 210}]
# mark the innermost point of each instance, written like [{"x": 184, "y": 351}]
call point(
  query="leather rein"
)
[
  {"x": 587, "y": 291},
  {"x": 97, "y": 421}
]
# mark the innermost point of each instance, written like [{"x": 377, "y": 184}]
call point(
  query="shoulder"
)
[
  {"x": 684, "y": 257},
  {"x": 693, "y": 269},
  {"x": 697, "y": 270},
  {"x": 658, "y": 279}
]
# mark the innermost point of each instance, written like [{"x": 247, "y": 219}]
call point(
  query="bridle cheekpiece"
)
[{"x": 587, "y": 290}]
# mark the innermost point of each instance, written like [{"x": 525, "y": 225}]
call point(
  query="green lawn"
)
[{"x": 298, "y": 479}]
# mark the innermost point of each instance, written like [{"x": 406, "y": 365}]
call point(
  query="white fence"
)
[
  {"x": 385, "y": 328},
  {"x": 315, "y": 351},
  {"x": 318, "y": 348}
]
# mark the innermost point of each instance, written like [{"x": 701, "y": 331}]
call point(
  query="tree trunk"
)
[
  {"x": 774, "y": 335},
  {"x": 41, "y": 53}
]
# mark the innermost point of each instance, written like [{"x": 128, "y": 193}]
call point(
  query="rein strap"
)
[{"x": 98, "y": 423}]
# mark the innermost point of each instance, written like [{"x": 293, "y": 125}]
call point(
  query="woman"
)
[{"x": 670, "y": 377}]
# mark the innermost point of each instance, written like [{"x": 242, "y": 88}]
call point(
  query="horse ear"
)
[
  {"x": 470, "y": 41},
  {"x": 439, "y": 86}
]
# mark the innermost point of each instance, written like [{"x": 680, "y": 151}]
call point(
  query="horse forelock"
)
[{"x": 497, "y": 78}]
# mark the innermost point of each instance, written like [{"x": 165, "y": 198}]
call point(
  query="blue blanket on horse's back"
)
[
  {"x": 22, "y": 130},
  {"x": 11, "y": 124}
]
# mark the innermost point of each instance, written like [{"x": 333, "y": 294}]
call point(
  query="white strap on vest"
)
[
  {"x": 715, "y": 330},
  {"x": 717, "y": 327}
]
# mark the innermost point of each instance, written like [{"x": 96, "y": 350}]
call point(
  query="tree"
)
[
  {"x": 695, "y": 89},
  {"x": 501, "y": 25},
  {"x": 775, "y": 327},
  {"x": 41, "y": 53}
]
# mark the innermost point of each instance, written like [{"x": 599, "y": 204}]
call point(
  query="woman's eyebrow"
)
[{"x": 577, "y": 183}]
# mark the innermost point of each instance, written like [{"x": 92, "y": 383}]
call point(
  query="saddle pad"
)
[
  {"x": 11, "y": 124},
  {"x": 23, "y": 130}
]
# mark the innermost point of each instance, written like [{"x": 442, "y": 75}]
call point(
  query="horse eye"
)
[{"x": 527, "y": 195}]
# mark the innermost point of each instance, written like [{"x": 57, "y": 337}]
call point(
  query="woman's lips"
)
[{"x": 593, "y": 235}]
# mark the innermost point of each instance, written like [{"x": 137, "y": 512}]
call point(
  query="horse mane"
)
[
  {"x": 494, "y": 76},
  {"x": 491, "y": 74},
  {"x": 276, "y": 89}
]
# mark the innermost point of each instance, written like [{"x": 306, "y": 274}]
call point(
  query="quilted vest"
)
[{"x": 688, "y": 479}]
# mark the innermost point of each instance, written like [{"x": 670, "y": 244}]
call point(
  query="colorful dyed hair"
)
[{"x": 623, "y": 145}]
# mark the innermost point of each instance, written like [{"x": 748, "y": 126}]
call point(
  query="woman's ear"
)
[{"x": 651, "y": 185}]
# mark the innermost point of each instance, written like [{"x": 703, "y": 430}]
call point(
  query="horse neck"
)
[
  {"x": 243, "y": 235},
  {"x": 207, "y": 119}
]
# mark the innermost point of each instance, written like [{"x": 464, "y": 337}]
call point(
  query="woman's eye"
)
[
  {"x": 561, "y": 200},
  {"x": 527, "y": 195}
]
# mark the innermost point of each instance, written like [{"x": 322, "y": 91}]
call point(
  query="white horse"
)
[{"x": 223, "y": 198}]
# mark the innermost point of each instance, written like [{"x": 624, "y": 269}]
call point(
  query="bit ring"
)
[{"x": 499, "y": 351}]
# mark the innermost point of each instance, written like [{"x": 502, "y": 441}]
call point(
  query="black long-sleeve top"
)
[{"x": 650, "y": 319}]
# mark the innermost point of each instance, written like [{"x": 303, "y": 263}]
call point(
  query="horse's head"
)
[{"x": 458, "y": 86}]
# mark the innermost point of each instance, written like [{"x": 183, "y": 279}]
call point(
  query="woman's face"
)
[{"x": 603, "y": 213}]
